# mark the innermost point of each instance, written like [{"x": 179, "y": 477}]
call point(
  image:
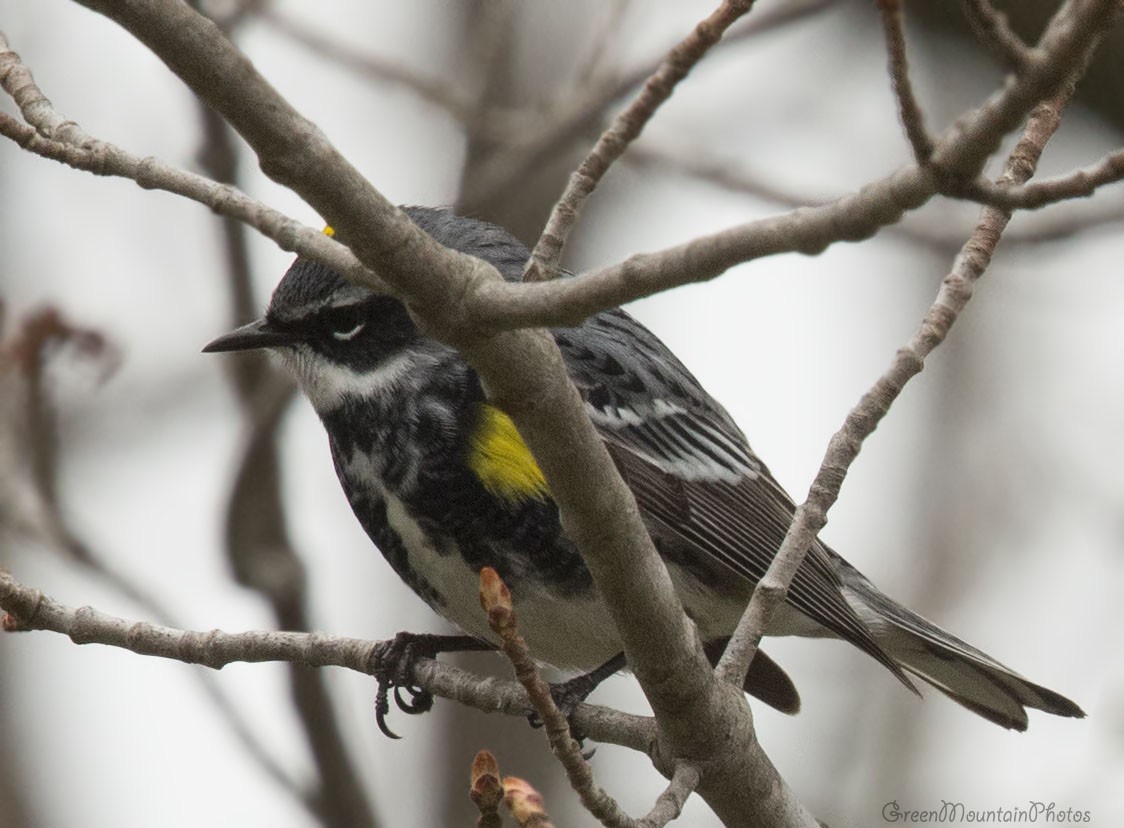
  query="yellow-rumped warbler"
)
[{"x": 443, "y": 484}]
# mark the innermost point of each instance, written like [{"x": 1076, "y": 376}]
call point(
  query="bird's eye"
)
[
  {"x": 345, "y": 323},
  {"x": 347, "y": 334}
]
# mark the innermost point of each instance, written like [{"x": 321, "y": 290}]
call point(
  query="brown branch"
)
[
  {"x": 953, "y": 296},
  {"x": 626, "y": 127},
  {"x": 29, "y": 609},
  {"x": 893, "y": 26},
  {"x": 496, "y": 601},
  {"x": 1080, "y": 183},
  {"x": 806, "y": 230},
  {"x": 698, "y": 163},
  {"x": 544, "y": 135},
  {"x": 1074, "y": 33},
  {"x": 1068, "y": 43},
  {"x": 366, "y": 64},
  {"x": 51, "y": 135},
  {"x": 669, "y": 804},
  {"x": 992, "y": 29}
]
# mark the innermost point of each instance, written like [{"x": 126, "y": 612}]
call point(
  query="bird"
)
[{"x": 444, "y": 485}]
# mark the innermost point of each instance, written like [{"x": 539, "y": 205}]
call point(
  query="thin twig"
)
[
  {"x": 365, "y": 63},
  {"x": 669, "y": 804},
  {"x": 992, "y": 29},
  {"x": 913, "y": 120},
  {"x": 1085, "y": 182},
  {"x": 807, "y": 230},
  {"x": 953, "y": 296},
  {"x": 593, "y": 66},
  {"x": 626, "y": 127},
  {"x": 1080, "y": 183},
  {"x": 29, "y": 609},
  {"x": 1074, "y": 33},
  {"x": 51, "y": 135},
  {"x": 544, "y": 135},
  {"x": 496, "y": 601},
  {"x": 261, "y": 755},
  {"x": 1068, "y": 43},
  {"x": 696, "y": 162}
]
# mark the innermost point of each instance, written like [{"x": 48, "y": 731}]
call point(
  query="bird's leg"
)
[
  {"x": 572, "y": 692},
  {"x": 393, "y": 663}
]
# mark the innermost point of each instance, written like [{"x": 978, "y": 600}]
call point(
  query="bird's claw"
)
[
  {"x": 394, "y": 662},
  {"x": 420, "y": 701},
  {"x": 567, "y": 696}
]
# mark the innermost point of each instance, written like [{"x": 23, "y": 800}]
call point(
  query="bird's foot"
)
[
  {"x": 569, "y": 694},
  {"x": 393, "y": 664}
]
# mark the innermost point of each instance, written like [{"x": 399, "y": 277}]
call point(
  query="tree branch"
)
[
  {"x": 502, "y": 618},
  {"x": 806, "y": 230},
  {"x": 1080, "y": 183},
  {"x": 958, "y": 156},
  {"x": 29, "y": 609},
  {"x": 893, "y": 26},
  {"x": 51, "y": 135},
  {"x": 626, "y": 127},
  {"x": 992, "y": 29},
  {"x": 670, "y": 803},
  {"x": 1069, "y": 41},
  {"x": 954, "y": 294},
  {"x": 366, "y": 64}
]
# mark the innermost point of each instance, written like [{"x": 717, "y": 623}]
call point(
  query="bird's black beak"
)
[{"x": 257, "y": 334}]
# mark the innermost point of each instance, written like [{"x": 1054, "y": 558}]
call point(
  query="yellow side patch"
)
[
  {"x": 500, "y": 458},
  {"x": 329, "y": 231}
]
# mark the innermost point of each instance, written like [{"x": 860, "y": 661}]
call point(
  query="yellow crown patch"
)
[{"x": 500, "y": 458}]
